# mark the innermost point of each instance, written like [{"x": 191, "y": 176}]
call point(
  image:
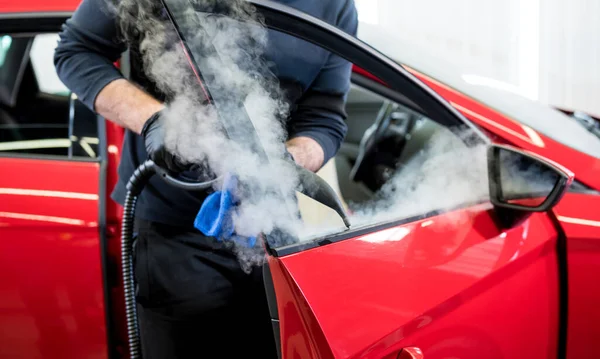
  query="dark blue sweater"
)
[{"x": 316, "y": 82}]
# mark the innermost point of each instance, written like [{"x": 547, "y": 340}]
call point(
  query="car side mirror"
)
[{"x": 524, "y": 181}]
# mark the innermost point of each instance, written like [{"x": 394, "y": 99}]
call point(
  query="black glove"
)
[{"x": 154, "y": 140}]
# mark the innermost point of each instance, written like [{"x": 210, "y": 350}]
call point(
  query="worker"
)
[{"x": 194, "y": 300}]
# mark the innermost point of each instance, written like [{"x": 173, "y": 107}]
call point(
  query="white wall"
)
[
  {"x": 548, "y": 49},
  {"x": 570, "y": 53}
]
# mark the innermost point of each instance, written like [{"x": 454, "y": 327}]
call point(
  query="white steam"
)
[
  {"x": 446, "y": 174},
  {"x": 450, "y": 171},
  {"x": 238, "y": 71}
]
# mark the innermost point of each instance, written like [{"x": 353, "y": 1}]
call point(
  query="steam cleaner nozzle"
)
[{"x": 346, "y": 221}]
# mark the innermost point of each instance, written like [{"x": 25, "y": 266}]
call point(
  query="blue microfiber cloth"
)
[{"x": 215, "y": 216}]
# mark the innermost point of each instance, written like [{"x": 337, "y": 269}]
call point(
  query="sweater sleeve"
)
[
  {"x": 320, "y": 113},
  {"x": 87, "y": 49}
]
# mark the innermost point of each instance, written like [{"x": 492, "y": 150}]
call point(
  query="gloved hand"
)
[{"x": 154, "y": 140}]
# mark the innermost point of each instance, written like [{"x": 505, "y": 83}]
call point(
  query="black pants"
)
[{"x": 194, "y": 300}]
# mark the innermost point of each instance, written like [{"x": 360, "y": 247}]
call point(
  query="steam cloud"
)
[
  {"x": 446, "y": 174},
  {"x": 193, "y": 130},
  {"x": 449, "y": 172}
]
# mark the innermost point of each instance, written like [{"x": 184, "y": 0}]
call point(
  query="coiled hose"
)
[{"x": 134, "y": 187}]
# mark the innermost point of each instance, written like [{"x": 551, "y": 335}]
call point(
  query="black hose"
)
[
  {"x": 136, "y": 184},
  {"x": 134, "y": 187}
]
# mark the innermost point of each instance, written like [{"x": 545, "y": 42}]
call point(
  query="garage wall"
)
[
  {"x": 548, "y": 50},
  {"x": 570, "y": 53}
]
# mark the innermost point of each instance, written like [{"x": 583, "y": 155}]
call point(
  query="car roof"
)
[{"x": 36, "y": 6}]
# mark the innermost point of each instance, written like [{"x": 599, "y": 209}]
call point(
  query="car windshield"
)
[{"x": 503, "y": 97}]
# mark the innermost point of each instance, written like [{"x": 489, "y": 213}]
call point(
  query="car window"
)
[
  {"x": 414, "y": 166},
  {"x": 38, "y": 114}
]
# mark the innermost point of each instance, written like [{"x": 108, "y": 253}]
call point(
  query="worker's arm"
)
[
  {"x": 84, "y": 58},
  {"x": 306, "y": 152},
  {"x": 126, "y": 104},
  {"x": 318, "y": 124}
]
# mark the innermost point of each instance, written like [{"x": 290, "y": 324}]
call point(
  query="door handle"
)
[{"x": 410, "y": 353}]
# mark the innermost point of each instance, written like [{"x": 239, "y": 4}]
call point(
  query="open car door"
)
[
  {"x": 426, "y": 284},
  {"x": 52, "y": 297}
]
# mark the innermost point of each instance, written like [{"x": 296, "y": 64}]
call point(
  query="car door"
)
[
  {"x": 51, "y": 287},
  {"x": 450, "y": 283},
  {"x": 444, "y": 276},
  {"x": 454, "y": 283}
]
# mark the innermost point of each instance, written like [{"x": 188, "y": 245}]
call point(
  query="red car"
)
[{"x": 465, "y": 279}]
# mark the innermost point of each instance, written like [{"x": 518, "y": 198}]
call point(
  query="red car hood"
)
[
  {"x": 39, "y": 6},
  {"x": 585, "y": 165}
]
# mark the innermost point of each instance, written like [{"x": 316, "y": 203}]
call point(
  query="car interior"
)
[
  {"x": 383, "y": 137},
  {"x": 36, "y": 118}
]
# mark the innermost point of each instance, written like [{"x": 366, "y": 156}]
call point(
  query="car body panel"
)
[
  {"x": 579, "y": 215},
  {"x": 38, "y": 6},
  {"x": 52, "y": 295},
  {"x": 434, "y": 284},
  {"x": 300, "y": 332}
]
